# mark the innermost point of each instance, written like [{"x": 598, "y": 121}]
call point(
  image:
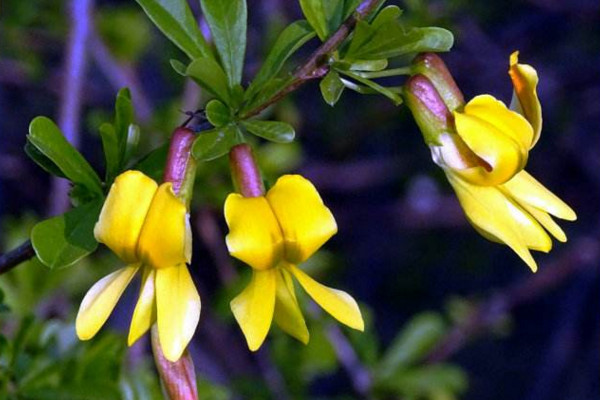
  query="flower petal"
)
[
  {"x": 526, "y": 189},
  {"x": 547, "y": 222},
  {"x": 486, "y": 209},
  {"x": 165, "y": 234},
  {"x": 288, "y": 315},
  {"x": 253, "y": 308},
  {"x": 254, "y": 234},
  {"x": 177, "y": 309},
  {"x": 525, "y": 100},
  {"x": 339, "y": 304},
  {"x": 124, "y": 212},
  {"x": 305, "y": 221},
  {"x": 144, "y": 313},
  {"x": 498, "y": 136},
  {"x": 100, "y": 300}
]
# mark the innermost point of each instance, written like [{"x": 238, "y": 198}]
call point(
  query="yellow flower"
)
[
  {"x": 147, "y": 227},
  {"x": 273, "y": 234},
  {"x": 483, "y": 157}
]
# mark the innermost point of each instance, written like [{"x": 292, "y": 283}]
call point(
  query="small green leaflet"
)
[
  {"x": 216, "y": 142},
  {"x": 275, "y": 131},
  {"x": 63, "y": 240},
  {"x": 207, "y": 73},
  {"x": 331, "y": 88},
  {"x": 227, "y": 20},
  {"x": 49, "y": 140},
  {"x": 175, "y": 19}
]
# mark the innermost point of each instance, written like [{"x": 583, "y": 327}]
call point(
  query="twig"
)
[
  {"x": 70, "y": 105},
  {"x": 583, "y": 253},
  {"x": 316, "y": 65},
  {"x": 15, "y": 257},
  {"x": 358, "y": 373}
]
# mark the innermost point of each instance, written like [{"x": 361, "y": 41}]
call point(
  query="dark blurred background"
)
[{"x": 404, "y": 246}]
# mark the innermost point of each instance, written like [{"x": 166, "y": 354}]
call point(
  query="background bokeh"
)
[{"x": 404, "y": 247}]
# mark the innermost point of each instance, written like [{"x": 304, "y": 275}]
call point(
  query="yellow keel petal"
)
[
  {"x": 253, "y": 308},
  {"x": 486, "y": 209},
  {"x": 305, "y": 221},
  {"x": 288, "y": 315},
  {"x": 177, "y": 309},
  {"x": 100, "y": 300},
  {"x": 339, "y": 304},
  {"x": 144, "y": 313},
  {"x": 526, "y": 189},
  {"x": 124, "y": 212}
]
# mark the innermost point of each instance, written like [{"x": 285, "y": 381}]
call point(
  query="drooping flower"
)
[
  {"x": 273, "y": 234},
  {"x": 483, "y": 148},
  {"x": 146, "y": 226}
]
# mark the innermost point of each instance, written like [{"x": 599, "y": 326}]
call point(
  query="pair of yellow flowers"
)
[{"x": 147, "y": 226}]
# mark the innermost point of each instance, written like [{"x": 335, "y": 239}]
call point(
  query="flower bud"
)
[{"x": 434, "y": 68}]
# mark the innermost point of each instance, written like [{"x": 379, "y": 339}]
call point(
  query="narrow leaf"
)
[
  {"x": 415, "y": 340},
  {"x": 207, "y": 73},
  {"x": 178, "y": 66},
  {"x": 49, "y": 140},
  {"x": 216, "y": 142},
  {"x": 175, "y": 19},
  {"x": 63, "y": 240},
  {"x": 290, "y": 40},
  {"x": 41, "y": 160},
  {"x": 275, "y": 131},
  {"x": 314, "y": 12},
  {"x": 227, "y": 20},
  {"x": 394, "y": 97},
  {"x": 110, "y": 145}
]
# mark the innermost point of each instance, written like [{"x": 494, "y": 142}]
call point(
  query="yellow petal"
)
[
  {"x": 288, "y": 315},
  {"x": 498, "y": 136},
  {"x": 144, "y": 313},
  {"x": 100, "y": 300},
  {"x": 526, "y": 189},
  {"x": 486, "y": 209},
  {"x": 177, "y": 309},
  {"x": 164, "y": 240},
  {"x": 124, "y": 212},
  {"x": 532, "y": 234},
  {"x": 525, "y": 100},
  {"x": 253, "y": 308},
  {"x": 305, "y": 221},
  {"x": 254, "y": 234},
  {"x": 339, "y": 304},
  {"x": 547, "y": 222}
]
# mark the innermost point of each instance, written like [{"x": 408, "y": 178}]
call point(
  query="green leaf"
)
[
  {"x": 49, "y": 140},
  {"x": 331, "y": 88},
  {"x": 133, "y": 139},
  {"x": 207, "y": 73},
  {"x": 110, "y": 145},
  {"x": 217, "y": 113},
  {"x": 175, "y": 19},
  {"x": 389, "y": 40},
  {"x": 394, "y": 97},
  {"x": 275, "y": 131},
  {"x": 439, "y": 381},
  {"x": 123, "y": 121},
  {"x": 216, "y": 142},
  {"x": 41, "y": 160},
  {"x": 290, "y": 40},
  {"x": 369, "y": 65},
  {"x": 415, "y": 341},
  {"x": 314, "y": 11},
  {"x": 178, "y": 66},
  {"x": 63, "y": 240},
  {"x": 227, "y": 20}
]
